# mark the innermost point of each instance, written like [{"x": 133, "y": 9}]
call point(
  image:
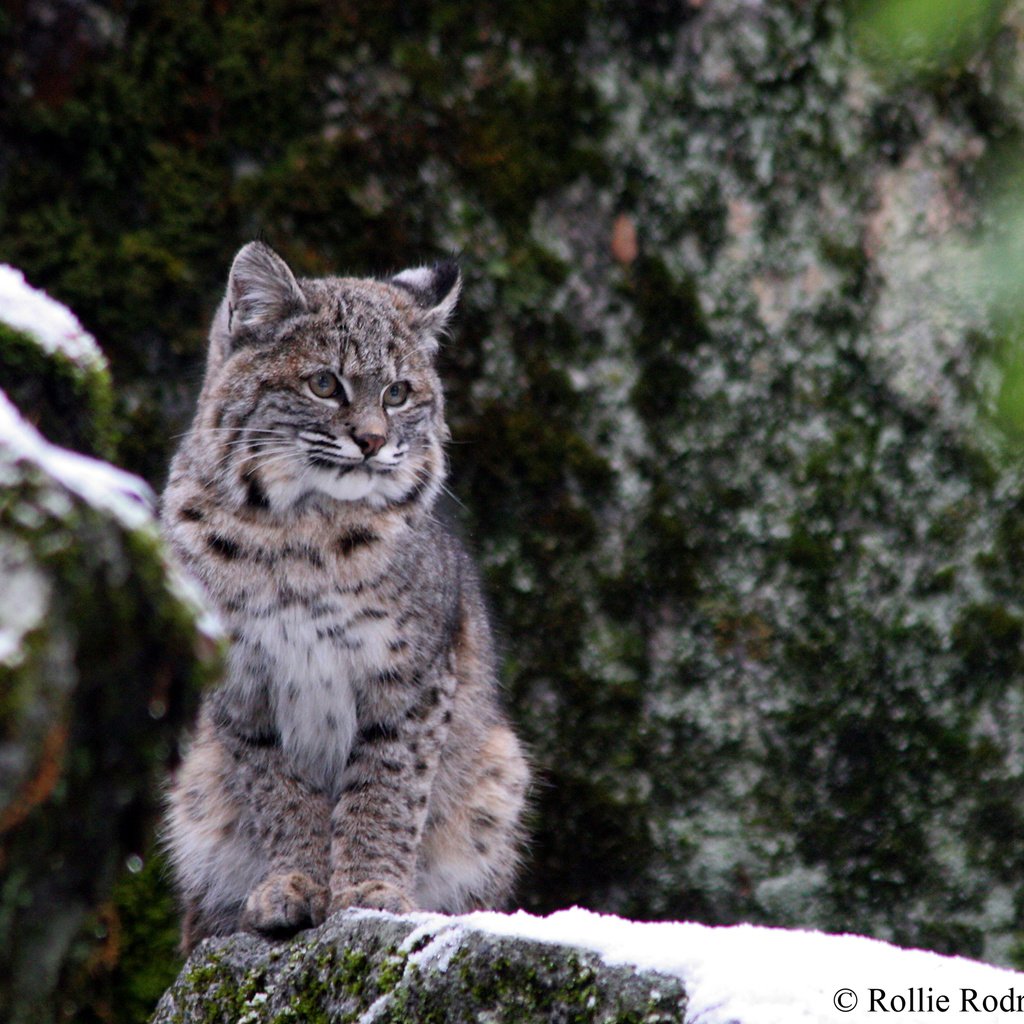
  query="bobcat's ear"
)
[
  {"x": 435, "y": 291},
  {"x": 261, "y": 289}
]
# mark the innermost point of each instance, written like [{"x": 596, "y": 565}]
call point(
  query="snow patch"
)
[
  {"x": 758, "y": 975},
  {"x": 26, "y": 598},
  {"x": 51, "y": 324},
  {"x": 443, "y": 938},
  {"x": 123, "y": 496},
  {"x": 105, "y": 487}
]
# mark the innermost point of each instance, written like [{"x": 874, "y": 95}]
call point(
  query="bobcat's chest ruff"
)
[{"x": 320, "y": 654}]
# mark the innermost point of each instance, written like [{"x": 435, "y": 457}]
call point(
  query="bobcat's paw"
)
[
  {"x": 285, "y": 903},
  {"x": 372, "y": 896}
]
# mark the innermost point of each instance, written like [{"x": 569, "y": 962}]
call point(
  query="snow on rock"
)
[
  {"x": 27, "y": 595},
  {"x": 53, "y": 325},
  {"x": 100, "y": 484},
  {"x": 53, "y": 371},
  {"x": 757, "y": 975},
  {"x": 125, "y": 497},
  {"x": 378, "y": 968}
]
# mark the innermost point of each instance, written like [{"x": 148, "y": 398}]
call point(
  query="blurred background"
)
[{"x": 736, "y": 389}]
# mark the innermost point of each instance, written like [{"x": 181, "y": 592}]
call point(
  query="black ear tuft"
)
[
  {"x": 445, "y": 276},
  {"x": 435, "y": 291},
  {"x": 430, "y": 286}
]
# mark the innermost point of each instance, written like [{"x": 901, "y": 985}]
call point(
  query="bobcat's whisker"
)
[
  {"x": 277, "y": 457},
  {"x": 202, "y": 431},
  {"x": 246, "y": 454},
  {"x": 255, "y": 444}
]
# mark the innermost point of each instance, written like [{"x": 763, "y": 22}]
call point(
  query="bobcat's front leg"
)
[
  {"x": 287, "y": 822},
  {"x": 378, "y": 821}
]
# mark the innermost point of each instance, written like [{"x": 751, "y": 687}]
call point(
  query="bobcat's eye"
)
[
  {"x": 323, "y": 384},
  {"x": 396, "y": 394}
]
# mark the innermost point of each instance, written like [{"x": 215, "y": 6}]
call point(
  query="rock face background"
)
[{"x": 719, "y": 391}]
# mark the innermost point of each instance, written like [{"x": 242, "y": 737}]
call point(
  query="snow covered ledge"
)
[
  {"x": 53, "y": 370},
  {"x": 365, "y": 967}
]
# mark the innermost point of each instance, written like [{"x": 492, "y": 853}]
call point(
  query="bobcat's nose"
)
[{"x": 369, "y": 444}]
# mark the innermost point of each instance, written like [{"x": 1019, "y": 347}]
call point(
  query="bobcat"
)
[{"x": 356, "y": 753}]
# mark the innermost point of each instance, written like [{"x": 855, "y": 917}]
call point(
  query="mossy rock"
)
[
  {"x": 370, "y": 966},
  {"x": 572, "y": 967},
  {"x": 53, "y": 371},
  {"x": 102, "y": 652}
]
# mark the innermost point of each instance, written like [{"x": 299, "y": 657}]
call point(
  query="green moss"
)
[
  {"x": 811, "y": 552},
  {"x": 669, "y": 540},
  {"x": 217, "y": 986},
  {"x": 144, "y": 943},
  {"x": 988, "y": 638},
  {"x": 310, "y": 998},
  {"x": 522, "y": 987},
  {"x": 672, "y": 327},
  {"x": 914, "y": 40},
  {"x": 390, "y": 972},
  {"x": 46, "y": 387},
  {"x": 224, "y": 993},
  {"x": 942, "y": 581},
  {"x": 507, "y": 164},
  {"x": 949, "y": 526},
  {"x": 347, "y": 970}
]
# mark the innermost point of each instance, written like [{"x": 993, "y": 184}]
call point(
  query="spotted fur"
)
[{"x": 356, "y": 753}]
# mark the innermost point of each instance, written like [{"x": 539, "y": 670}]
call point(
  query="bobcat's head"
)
[{"x": 326, "y": 387}]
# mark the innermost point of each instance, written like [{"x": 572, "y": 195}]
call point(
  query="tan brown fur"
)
[{"x": 356, "y": 753}]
